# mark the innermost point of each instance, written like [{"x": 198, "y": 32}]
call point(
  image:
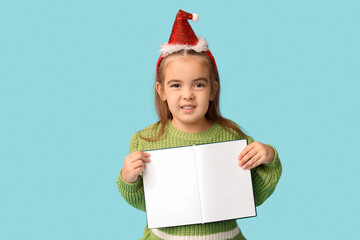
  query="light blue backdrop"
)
[{"x": 77, "y": 78}]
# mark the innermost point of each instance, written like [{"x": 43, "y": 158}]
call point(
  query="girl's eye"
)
[
  {"x": 199, "y": 85},
  {"x": 175, "y": 85}
]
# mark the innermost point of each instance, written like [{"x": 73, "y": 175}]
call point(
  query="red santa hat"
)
[{"x": 183, "y": 38}]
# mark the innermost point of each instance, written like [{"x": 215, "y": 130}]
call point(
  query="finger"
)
[
  {"x": 245, "y": 151},
  {"x": 138, "y": 164},
  {"x": 147, "y": 157},
  {"x": 139, "y": 156},
  {"x": 248, "y": 156},
  {"x": 255, "y": 164},
  {"x": 251, "y": 161},
  {"x": 139, "y": 170}
]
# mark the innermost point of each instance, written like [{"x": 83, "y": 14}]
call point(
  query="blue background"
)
[{"x": 77, "y": 79}]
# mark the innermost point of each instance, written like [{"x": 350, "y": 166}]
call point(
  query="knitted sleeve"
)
[
  {"x": 133, "y": 193},
  {"x": 265, "y": 178}
]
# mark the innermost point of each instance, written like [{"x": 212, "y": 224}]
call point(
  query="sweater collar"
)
[{"x": 207, "y": 134}]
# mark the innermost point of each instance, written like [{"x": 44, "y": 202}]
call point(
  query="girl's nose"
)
[{"x": 188, "y": 94}]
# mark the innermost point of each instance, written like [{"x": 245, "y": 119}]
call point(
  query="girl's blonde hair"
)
[{"x": 213, "y": 114}]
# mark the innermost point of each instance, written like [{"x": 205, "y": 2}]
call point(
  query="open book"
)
[{"x": 197, "y": 184}]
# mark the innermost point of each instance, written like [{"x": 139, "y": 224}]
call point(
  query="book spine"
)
[{"x": 198, "y": 186}]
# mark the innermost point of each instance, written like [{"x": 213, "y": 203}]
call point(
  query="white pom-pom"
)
[{"x": 195, "y": 17}]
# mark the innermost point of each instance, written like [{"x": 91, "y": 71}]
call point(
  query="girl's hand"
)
[
  {"x": 254, "y": 154},
  {"x": 134, "y": 164}
]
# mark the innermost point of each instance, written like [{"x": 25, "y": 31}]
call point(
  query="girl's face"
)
[{"x": 187, "y": 90}]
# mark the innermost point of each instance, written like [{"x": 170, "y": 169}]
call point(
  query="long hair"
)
[{"x": 213, "y": 113}]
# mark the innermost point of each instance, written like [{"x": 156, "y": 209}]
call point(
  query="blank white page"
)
[
  {"x": 225, "y": 188},
  {"x": 171, "y": 188}
]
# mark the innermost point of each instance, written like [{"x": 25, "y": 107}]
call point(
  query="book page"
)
[
  {"x": 225, "y": 188},
  {"x": 171, "y": 188}
]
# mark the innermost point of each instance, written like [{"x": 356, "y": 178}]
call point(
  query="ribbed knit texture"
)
[{"x": 264, "y": 178}]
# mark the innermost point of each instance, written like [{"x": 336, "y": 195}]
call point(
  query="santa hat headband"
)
[{"x": 183, "y": 38}]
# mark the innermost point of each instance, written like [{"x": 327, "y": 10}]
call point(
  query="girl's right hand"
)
[{"x": 134, "y": 164}]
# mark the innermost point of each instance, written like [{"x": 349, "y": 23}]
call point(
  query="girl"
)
[{"x": 187, "y": 92}]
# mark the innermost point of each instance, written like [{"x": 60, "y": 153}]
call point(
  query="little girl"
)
[{"x": 187, "y": 102}]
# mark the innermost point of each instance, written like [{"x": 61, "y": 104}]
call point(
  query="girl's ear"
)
[
  {"x": 159, "y": 90},
  {"x": 214, "y": 91}
]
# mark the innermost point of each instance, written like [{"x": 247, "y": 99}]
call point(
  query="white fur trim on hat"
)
[{"x": 167, "y": 48}]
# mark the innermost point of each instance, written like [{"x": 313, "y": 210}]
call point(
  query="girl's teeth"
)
[{"x": 187, "y": 107}]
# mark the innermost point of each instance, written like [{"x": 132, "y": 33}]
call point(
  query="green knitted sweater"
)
[{"x": 264, "y": 177}]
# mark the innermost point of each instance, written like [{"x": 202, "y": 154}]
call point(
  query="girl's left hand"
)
[{"x": 254, "y": 154}]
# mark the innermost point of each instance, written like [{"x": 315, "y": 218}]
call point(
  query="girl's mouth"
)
[{"x": 188, "y": 108}]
